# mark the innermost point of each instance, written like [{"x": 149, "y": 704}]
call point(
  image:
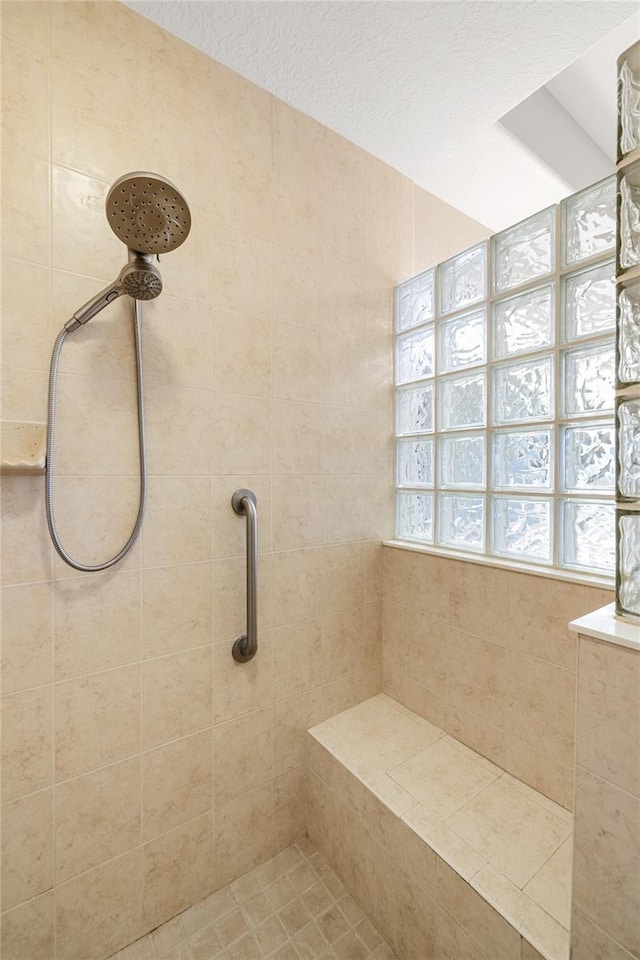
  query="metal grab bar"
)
[{"x": 246, "y": 646}]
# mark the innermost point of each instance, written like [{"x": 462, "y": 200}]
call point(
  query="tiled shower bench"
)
[{"x": 451, "y": 857}]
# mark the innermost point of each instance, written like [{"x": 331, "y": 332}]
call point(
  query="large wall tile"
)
[
  {"x": 242, "y": 755},
  {"x": 27, "y": 931},
  {"x": 81, "y": 239},
  {"x": 296, "y": 363},
  {"x": 343, "y": 514},
  {"x": 28, "y": 23},
  {"x": 27, "y": 848},
  {"x": 476, "y": 592},
  {"x": 27, "y": 331},
  {"x": 176, "y": 783},
  {"x": 482, "y": 925},
  {"x": 589, "y": 942},
  {"x": 241, "y": 687},
  {"x": 26, "y": 636},
  {"x": 297, "y": 585},
  {"x": 296, "y": 437},
  {"x": 176, "y": 608},
  {"x": 171, "y": 354},
  {"x": 178, "y": 522},
  {"x": 342, "y": 577},
  {"x": 100, "y": 911},
  {"x": 97, "y": 720},
  {"x": 105, "y": 347},
  {"x": 609, "y": 711},
  {"x": 95, "y": 123},
  {"x": 297, "y": 512},
  {"x": 540, "y": 704},
  {"x": 242, "y": 349},
  {"x": 178, "y": 429},
  {"x": 607, "y": 858},
  {"x": 539, "y": 770},
  {"x": 26, "y": 554},
  {"x": 241, "y": 435},
  {"x": 97, "y": 623},
  {"x": 97, "y": 817},
  {"x": 95, "y": 517},
  {"x": 297, "y": 288},
  {"x": 297, "y": 657},
  {"x": 176, "y": 696},
  {"x": 27, "y": 741},
  {"x": 244, "y": 834},
  {"x": 177, "y": 870},
  {"x": 343, "y": 373},
  {"x": 478, "y": 679},
  {"x": 242, "y": 275},
  {"x": 26, "y": 214},
  {"x": 104, "y": 38},
  {"x": 94, "y": 430}
]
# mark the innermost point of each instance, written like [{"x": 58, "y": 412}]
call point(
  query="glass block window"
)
[{"x": 505, "y": 379}]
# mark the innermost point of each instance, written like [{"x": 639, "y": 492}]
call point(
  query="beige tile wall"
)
[
  {"x": 142, "y": 766},
  {"x": 606, "y": 864},
  {"x": 422, "y": 907},
  {"x": 485, "y": 653}
]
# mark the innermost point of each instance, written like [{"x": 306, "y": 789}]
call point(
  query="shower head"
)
[
  {"x": 140, "y": 278},
  {"x": 148, "y": 213},
  {"x": 151, "y": 216}
]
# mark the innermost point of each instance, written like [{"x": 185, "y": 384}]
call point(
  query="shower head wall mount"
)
[{"x": 151, "y": 216}]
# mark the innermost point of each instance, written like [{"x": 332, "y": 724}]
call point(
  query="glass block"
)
[
  {"x": 589, "y": 457},
  {"x": 524, "y": 252},
  {"x": 588, "y": 535},
  {"x": 463, "y": 341},
  {"x": 461, "y": 521},
  {"x": 523, "y": 323},
  {"x": 414, "y": 356},
  {"x": 630, "y": 218},
  {"x": 523, "y": 391},
  {"x": 414, "y": 410},
  {"x": 629, "y": 334},
  {"x": 462, "y": 461},
  {"x": 629, "y": 562},
  {"x": 523, "y": 459},
  {"x": 522, "y": 528},
  {"x": 415, "y": 516},
  {"x": 629, "y": 101},
  {"x": 463, "y": 279},
  {"x": 589, "y": 302},
  {"x": 589, "y": 222},
  {"x": 588, "y": 379},
  {"x": 462, "y": 402},
  {"x": 414, "y": 301},
  {"x": 414, "y": 463},
  {"x": 629, "y": 448}
]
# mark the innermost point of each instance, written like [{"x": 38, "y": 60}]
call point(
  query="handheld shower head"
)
[
  {"x": 141, "y": 278},
  {"x": 151, "y": 216}
]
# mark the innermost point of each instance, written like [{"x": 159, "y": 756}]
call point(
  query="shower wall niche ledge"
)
[
  {"x": 22, "y": 447},
  {"x": 603, "y": 624}
]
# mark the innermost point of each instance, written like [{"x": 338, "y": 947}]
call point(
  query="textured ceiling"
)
[{"x": 419, "y": 84}]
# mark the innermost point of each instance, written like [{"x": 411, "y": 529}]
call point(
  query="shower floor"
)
[{"x": 292, "y": 907}]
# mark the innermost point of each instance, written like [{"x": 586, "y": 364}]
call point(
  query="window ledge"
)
[
  {"x": 551, "y": 573},
  {"x": 603, "y": 624}
]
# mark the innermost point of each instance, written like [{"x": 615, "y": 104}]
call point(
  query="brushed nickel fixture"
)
[{"x": 150, "y": 216}]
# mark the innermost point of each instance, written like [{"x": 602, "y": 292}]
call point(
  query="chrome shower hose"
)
[{"x": 51, "y": 428}]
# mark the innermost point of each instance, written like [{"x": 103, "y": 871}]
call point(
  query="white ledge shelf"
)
[
  {"x": 23, "y": 446},
  {"x": 603, "y": 624}
]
